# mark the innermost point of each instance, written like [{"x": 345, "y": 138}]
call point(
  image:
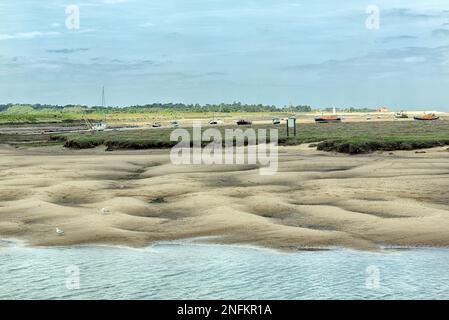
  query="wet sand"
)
[{"x": 316, "y": 199}]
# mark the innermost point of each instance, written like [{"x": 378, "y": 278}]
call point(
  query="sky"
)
[{"x": 321, "y": 53}]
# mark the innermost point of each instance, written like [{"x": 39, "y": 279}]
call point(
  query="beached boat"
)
[
  {"x": 401, "y": 115},
  {"x": 215, "y": 121},
  {"x": 328, "y": 119},
  {"x": 100, "y": 125},
  {"x": 156, "y": 125},
  {"x": 97, "y": 126},
  {"x": 427, "y": 117},
  {"x": 175, "y": 124},
  {"x": 276, "y": 120},
  {"x": 243, "y": 122}
]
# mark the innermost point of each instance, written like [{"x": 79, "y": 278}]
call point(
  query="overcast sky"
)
[{"x": 317, "y": 52}]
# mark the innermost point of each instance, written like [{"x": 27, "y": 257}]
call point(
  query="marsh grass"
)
[{"x": 352, "y": 138}]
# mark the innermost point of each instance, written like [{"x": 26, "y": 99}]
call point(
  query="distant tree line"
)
[
  {"x": 178, "y": 107},
  {"x": 222, "y": 107}
]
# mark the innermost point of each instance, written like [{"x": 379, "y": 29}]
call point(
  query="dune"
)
[{"x": 316, "y": 200}]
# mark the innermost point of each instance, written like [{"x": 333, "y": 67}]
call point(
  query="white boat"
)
[
  {"x": 276, "y": 120},
  {"x": 215, "y": 121},
  {"x": 97, "y": 126},
  {"x": 100, "y": 126}
]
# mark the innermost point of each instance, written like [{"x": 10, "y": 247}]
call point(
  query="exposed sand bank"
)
[{"x": 316, "y": 199}]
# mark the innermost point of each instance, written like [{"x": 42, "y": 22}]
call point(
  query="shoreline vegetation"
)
[
  {"x": 130, "y": 127},
  {"x": 351, "y": 138}
]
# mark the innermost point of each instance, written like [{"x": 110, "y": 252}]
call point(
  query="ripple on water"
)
[{"x": 188, "y": 271}]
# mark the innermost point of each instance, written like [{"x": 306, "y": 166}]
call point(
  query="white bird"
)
[
  {"x": 59, "y": 231},
  {"x": 104, "y": 211}
]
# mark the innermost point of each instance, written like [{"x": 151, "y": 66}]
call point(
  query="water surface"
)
[{"x": 189, "y": 271}]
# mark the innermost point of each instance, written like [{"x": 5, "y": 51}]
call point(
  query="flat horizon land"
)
[
  {"x": 59, "y": 175},
  {"x": 127, "y": 130}
]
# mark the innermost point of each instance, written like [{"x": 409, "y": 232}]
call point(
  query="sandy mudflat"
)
[{"x": 317, "y": 199}]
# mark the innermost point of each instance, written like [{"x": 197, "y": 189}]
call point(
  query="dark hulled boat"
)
[
  {"x": 401, "y": 115},
  {"x": 328, "y": 119},
  {"x": 243, "y": 122}
]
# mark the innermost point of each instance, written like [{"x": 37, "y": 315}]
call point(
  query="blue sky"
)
[{"x": 318, "y": 52}]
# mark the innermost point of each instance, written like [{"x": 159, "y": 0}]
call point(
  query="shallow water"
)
[{"x": 188, "y": 271}]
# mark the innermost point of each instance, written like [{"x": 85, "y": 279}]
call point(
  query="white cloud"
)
[
  {"x": 414, "y": 59},
  {"x": 146, "y": 25},
  {"x": 27, "y": 35},
  {"x": 114, "y": 1}
]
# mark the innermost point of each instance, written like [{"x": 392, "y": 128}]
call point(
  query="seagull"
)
[
  {"x": 59, "y": 231},
  {"x": 104, "y": 211}
]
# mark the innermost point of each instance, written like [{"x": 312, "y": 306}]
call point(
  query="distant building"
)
[{"x": 382, "y": 109}]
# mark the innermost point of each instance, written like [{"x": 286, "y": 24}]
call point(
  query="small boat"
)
[
  {"x": 244, "y": 122},
  {"x": 97, "y": 126},
  {"x": 401, "y": 115},
  {"x": 156, "y": 125},
  {"x": 276, "y": 120},
  {"x": 175, "y": 124},
  {"x": 213, "y": 122},
  {"x": 328, "y": 119},
  {"x": 100, "y": 126},
  {"x": 427, "y": 117}
]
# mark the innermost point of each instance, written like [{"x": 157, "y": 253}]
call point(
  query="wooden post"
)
[{"x": 291, "y": 122}]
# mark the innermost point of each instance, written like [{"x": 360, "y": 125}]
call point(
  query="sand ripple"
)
[{"x": 317, "y": 199}]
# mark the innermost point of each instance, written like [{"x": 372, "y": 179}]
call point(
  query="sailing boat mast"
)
[{"x": 103, "y": 101}]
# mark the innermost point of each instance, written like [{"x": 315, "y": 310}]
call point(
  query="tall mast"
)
[{"x": 103, "y": 101}]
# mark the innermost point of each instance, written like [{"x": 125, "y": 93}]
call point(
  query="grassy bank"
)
[
  {"x": 352, "y": 138},
  {"x": 368, "y": 145}
]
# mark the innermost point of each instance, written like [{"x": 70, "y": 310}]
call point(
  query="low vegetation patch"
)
[
  {"x": 351, "y": 138},
  {"x": 367, "y": 145}
]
